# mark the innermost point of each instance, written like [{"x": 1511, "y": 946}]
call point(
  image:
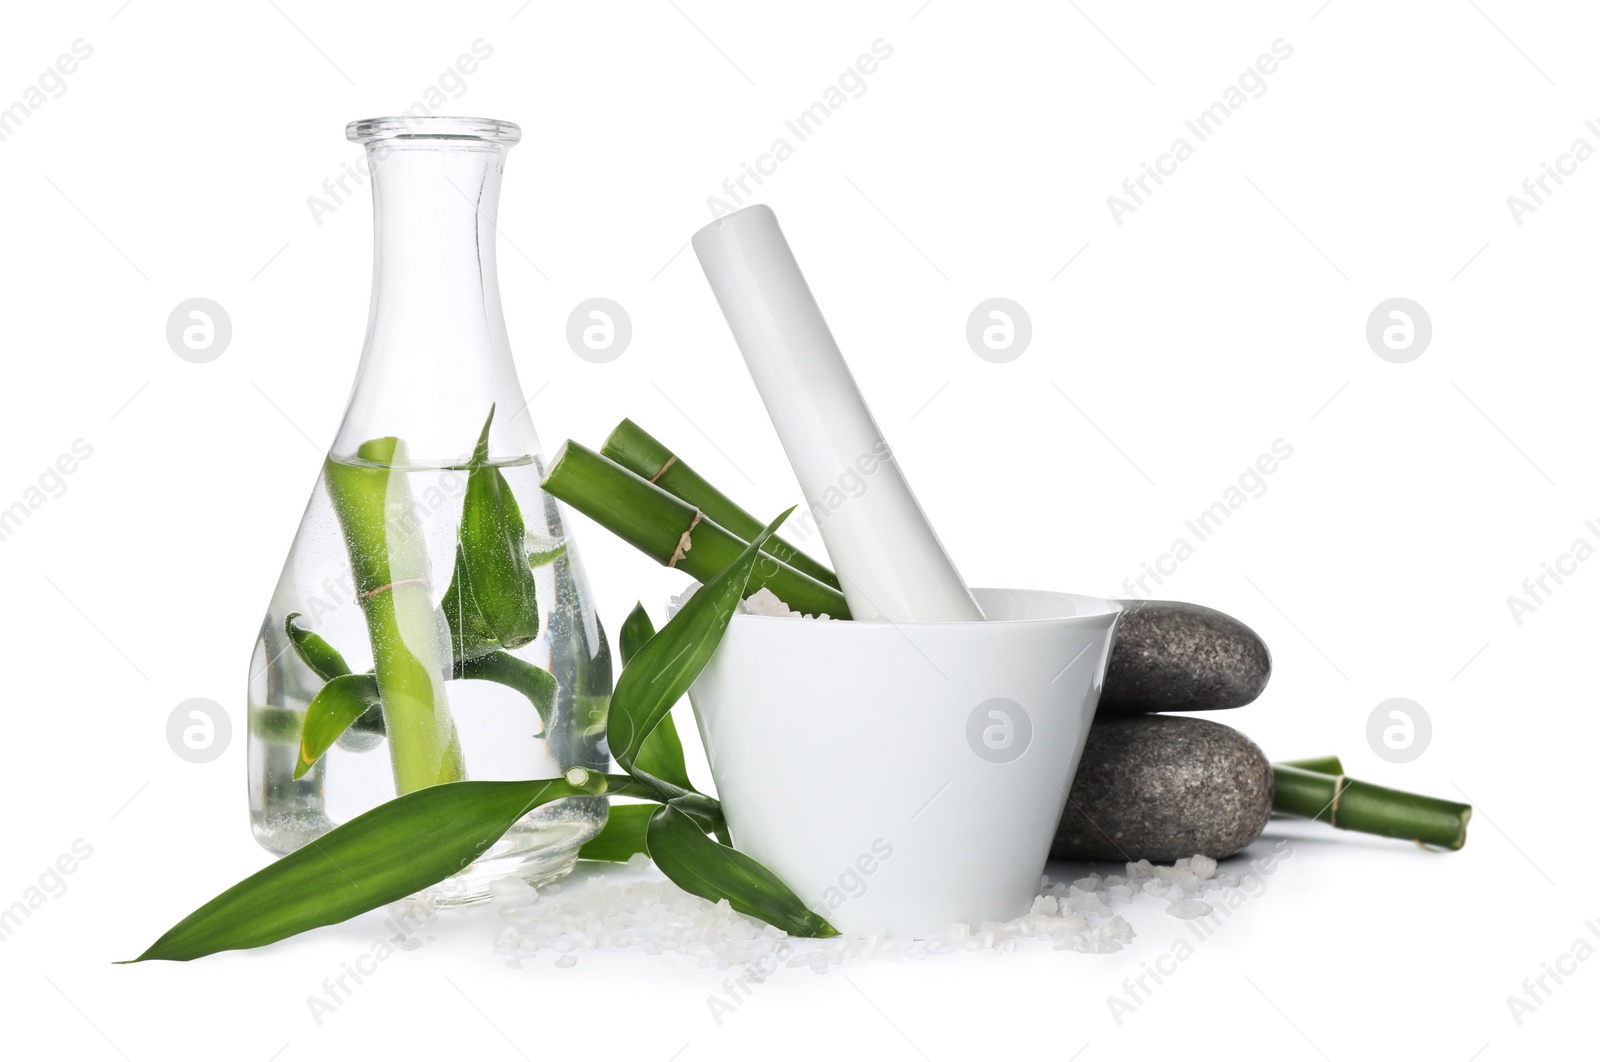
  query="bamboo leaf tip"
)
[{"x": 480, "y": 453}]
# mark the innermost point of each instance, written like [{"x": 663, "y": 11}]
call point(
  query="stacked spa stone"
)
[{"x": 1163, "y": 787}]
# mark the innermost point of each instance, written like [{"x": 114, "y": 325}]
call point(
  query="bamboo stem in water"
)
[{"x": 411, "y": 654}]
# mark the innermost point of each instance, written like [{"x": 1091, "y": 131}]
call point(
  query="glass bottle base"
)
[{"x": 542, "y": 847}]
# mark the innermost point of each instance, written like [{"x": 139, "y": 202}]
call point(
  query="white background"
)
[{"x": 1168, "y": 352}]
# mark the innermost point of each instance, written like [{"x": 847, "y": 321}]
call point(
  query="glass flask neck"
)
[{"x": 436, "y": 356}]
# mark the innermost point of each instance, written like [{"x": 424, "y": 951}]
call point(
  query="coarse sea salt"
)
[
  {"x": 761, "y": 603},
  {"x": 655, "y": 916}
]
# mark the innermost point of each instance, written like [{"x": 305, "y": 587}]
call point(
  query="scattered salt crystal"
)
[
  {"x": 765, "y": 603},
  {"x": 761, "y": 603},
  {"x": 661, "y": 919},
  {"x": 419, "y": 907},
  {"x": 512, "y": 892},
  {"x": 638, "y": 860}
]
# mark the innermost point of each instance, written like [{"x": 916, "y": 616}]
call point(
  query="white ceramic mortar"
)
[{"x": 904, "y": 777}]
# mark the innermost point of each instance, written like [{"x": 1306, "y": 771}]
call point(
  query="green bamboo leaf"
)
[
  {"x": 626, "y": 785},
  {"x": 328, "y": 664},
  {"x": 492, "y": 601},
  {"x": 706, "y": 810},
  {"x": 661, "y": 756},
  {"x": 470, "y": 633},
  {"x": 343, "y": 700},
  {"x": 313, "y": 651},
  {"x": 664, "y": 668},
  {"x": 530, "y": 680},
  {"x": 636, "y": 630},
  {"x": 376, "y": 858},
  {"x": 623, "y": 835},
  {"x": 697, "y": 864}
]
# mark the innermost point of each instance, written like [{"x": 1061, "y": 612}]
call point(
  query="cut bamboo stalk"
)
[
  {"x": 672, "y": 531},
  {"x": 642, "y": 454},
  {"x": 1319, "y": 764},
  {"x": 1349, "y": 804}
]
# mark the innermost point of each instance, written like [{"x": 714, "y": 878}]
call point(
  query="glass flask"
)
[{"x": 431, "y": 594}]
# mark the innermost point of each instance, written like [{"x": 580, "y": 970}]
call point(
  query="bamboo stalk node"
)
[
  {"x": 1333, "y": 808},
  {"x": 386, "y": 587},
  {"x": 663, "y": 469},
  {"x": 685, "y": 544}
]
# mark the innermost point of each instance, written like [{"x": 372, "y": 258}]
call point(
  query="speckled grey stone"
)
[
  {"x": 1162, "y": 787},
  {"x": 1171, "y": 656}
]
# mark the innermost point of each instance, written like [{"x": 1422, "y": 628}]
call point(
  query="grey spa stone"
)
[
  {"x": 1171, "y": 656},
  {"x": 1162, "y": 787}
]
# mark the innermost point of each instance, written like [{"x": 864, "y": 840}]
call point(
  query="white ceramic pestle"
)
[{"x": 888, "y": 559}]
